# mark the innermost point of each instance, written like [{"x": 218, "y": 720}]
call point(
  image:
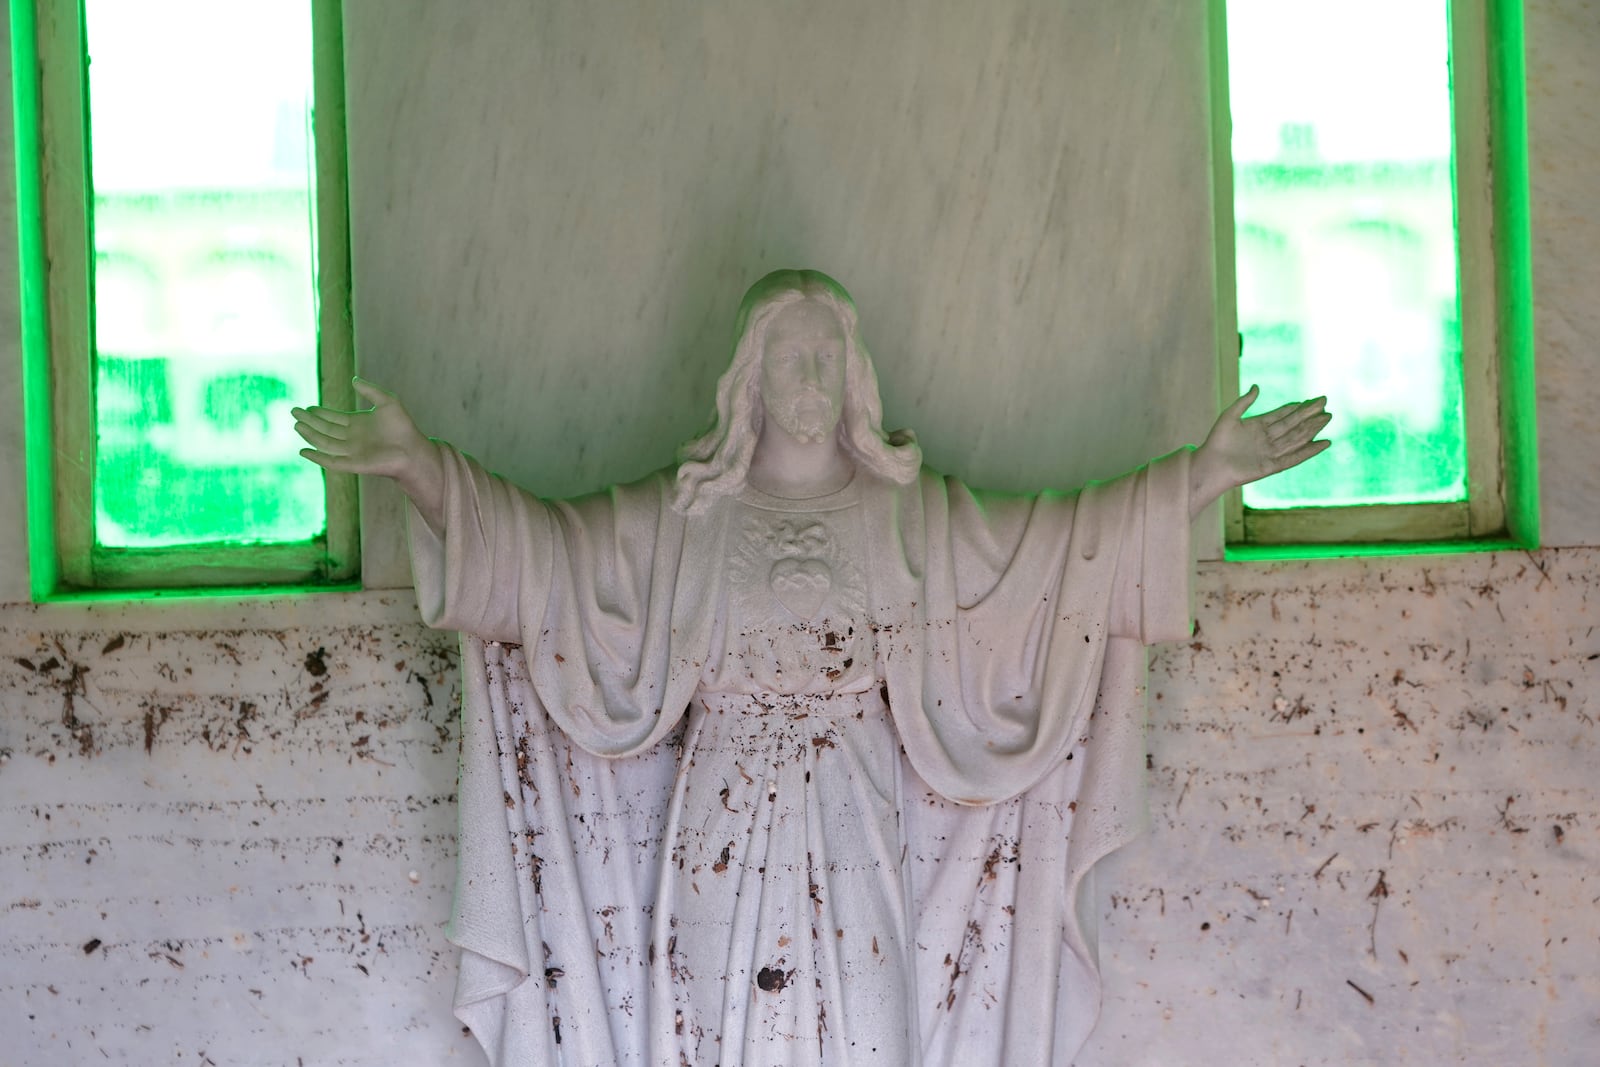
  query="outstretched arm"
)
[
  {"x": 1239, "y": 450},
  {"x": 380, "y": 440}
]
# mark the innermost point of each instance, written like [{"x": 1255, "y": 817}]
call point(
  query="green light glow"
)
[
  {"x": 1508, "y": 81},
  {"x": 39, "y": 424},
  {"x": 205, "y": 271},
  {"x": 1346, "y": 241},
  {"x": 1387, "y": 549}
]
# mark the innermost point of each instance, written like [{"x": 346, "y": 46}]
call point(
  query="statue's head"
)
[
  {"x": 796, "y": 303},
  {"x": 802, "y": 371}
]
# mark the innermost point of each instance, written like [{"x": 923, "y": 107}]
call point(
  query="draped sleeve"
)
[
  {"x": 1011, "y": 632},
  {"x": 612, "y": 595},
  {"x": 995, "y": 615}
]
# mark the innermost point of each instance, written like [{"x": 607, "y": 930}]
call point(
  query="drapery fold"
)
[{"x": 1010, "y": 636}]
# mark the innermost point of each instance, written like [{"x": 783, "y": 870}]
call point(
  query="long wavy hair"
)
[{"x": 718, "y": 461}]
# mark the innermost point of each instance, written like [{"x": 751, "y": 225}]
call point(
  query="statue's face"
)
[{"x": 802, "y": 370}]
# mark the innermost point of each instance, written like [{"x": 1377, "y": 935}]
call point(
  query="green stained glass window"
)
[
  {"x": 1346, "y": 241},
  {"x": 202, "y": 164}
]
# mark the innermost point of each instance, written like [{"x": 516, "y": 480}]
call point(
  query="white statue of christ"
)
[{"x": 798, "y": 753}]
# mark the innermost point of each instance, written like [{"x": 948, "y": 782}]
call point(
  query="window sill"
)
[
  {"x": 279, "y": 608},
  {"x": 1240, "y": 553}
]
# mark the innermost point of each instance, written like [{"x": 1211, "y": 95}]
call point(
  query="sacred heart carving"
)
[{"x": 801, "y": 585}]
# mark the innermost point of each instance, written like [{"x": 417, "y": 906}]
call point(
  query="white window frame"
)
[
  {"x": 1494, "y": 301},
  {"x": 59, "y": 329}
]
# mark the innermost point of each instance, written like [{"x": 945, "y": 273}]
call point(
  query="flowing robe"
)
[{"x": 1007, "y": 632}]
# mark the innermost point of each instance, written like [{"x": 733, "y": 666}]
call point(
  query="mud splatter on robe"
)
[{"x": 796, "y": 781}]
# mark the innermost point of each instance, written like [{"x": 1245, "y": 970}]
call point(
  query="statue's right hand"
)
[{"x": 381, "y": 439}]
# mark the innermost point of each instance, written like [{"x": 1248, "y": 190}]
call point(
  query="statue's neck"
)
[{"x": 786, "y": 467}]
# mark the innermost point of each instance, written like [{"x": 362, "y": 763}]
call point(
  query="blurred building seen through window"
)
[
  {"x": 1345, "y": 241},
  {"x": 204, "y": 288}
]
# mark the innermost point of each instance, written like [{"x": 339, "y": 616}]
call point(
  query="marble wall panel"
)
[
  {"x": 1563, "y": 57},
  {"x": 556, "y": 209}
]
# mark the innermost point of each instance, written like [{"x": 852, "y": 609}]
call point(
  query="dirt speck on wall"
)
[
  {"x": 1375, "y": 818},
  {"x": 220, "y": 837}
]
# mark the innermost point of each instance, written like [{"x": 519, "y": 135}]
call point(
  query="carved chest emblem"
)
[
  {"x": 792, "y": 571},
  {"x": 796, "y": 556},
  {"x": 801, "y": 585}
]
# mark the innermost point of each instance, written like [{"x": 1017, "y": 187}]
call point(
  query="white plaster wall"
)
[
  {"x": 227, "y": 842},
  {"x": 1376, "y": 774},
  {"x": 1406, "y": 700},
  {"x": 210, "y": 851}
]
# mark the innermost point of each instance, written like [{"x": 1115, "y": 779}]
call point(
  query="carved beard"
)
[{"x": 808, "y": 416}]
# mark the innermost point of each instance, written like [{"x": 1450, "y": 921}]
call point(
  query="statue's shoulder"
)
[
  {"x": 653, "y": 492},
  {"x": 646, "y": 497}
]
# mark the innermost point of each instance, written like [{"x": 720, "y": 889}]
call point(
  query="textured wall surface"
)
[
  {"x": 1375, "y": 835},
  {"x": 226, "y": 845},
  {"x": 1376, "y": 821}
]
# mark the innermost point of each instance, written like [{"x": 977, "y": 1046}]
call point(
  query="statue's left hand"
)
[{"x": 1239, "y": 450}]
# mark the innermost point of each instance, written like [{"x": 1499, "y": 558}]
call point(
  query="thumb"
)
[
  {"x": 1237, "y": 409},
  {"x": 371, "y": 392}
]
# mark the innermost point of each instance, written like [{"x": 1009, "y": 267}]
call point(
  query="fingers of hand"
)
[
  {"x": 1295, "y": 431},
  {"x": 324, "y": 460},
  {"x": 322, "y": 442},
  {"x": 1278, "y": 414},
  {"x": 1289, "y": 412},
  {"x": 323, "y": 420}
]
